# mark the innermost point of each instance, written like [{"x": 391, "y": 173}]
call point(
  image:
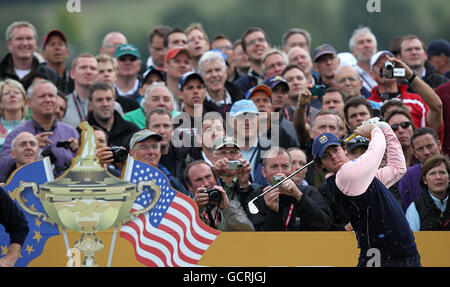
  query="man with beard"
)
[{"x": 101, "y": 102}]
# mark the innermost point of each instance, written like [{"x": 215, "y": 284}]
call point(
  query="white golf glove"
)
[{"x": 376, "y": 121}]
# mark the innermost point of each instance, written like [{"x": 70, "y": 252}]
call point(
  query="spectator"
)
[
  {"x": 177, "y": 62},
  {"x": 111, "y": 41},
  {"x": 326, "y": 62},
  {"x": 198, "y": 42},
  {"x": 280, "y": 94},
  {"x": 15, "y": 224},
  {"x": 55, "y": 52},
  {"x": 425, "y": 144},
  {"x": 300, "y": 57},
  {"x": 402, "y": 124},
  {"x": 298, "y": 157},
  {"x": 223, "y": 44},
  {"x": 128, "y": 66},
  {"x": 41, "y": 97},
  {"x": 157, "y": 95},
  {"x": 290, "y": 207},
  {"x": 84, "y": 72},
  {"x": 241, "y": 58},
  {"x": 376, "y": 216},
  {"x": 220, "y": 94},
  {"x": 334, "y": 99},
  {"x": 159, "y": 120},
  {"x": 255, "y": 43},
  {"x": 176, "y": 38},
  {"x": 145, "y": 147},
  {"x": 105, "y": 154},
  {"x": 102, "y": 114},
  {"x": 156, "y": 47},
  {"x": 24, "y": 150},
  {"x": 223, "y": 214},
  {"x": 296, "y": 37},
  {"x": 20, "y": 64},
  {"x": 107, "y": 72},
  {"x": 273, "y": 62},
  {"x": 13, "y": 107},
  {"x": 431, "y": 210},
  {"x": 61, "y": 106},
  {"x": 413, "y": 54},
  {"x": 150, "y": 76},
  {"x": 390, "y": 105},
  {"x": 280, "y": 132},
  {"x": 425, "y": 107},
  {"x": 356, "y": 111},
  {"x": 363, "y": 45},
  {"x": 356, "y": 147},
  {"x": 443, "y": 91},
  {"x": 438, "y": 53},
  {"x": 212, "y": 129}
]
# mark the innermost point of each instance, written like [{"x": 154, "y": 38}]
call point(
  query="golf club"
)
[{"x": 252, "y": 207}]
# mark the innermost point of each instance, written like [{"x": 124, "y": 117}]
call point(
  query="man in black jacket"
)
[
  {"x": 15, "y": 225},
  {"x": 291, "y": 207},
  {"x": 20, "y": 64},
  {"x": 118, "y": 130}
]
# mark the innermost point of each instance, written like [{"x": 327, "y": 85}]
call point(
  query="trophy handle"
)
[
  {"x": 140, "y": 188},
  {"x": 22, "y": 204}
]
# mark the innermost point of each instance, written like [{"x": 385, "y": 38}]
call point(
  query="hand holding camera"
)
[
  {"x": 394, "y": 68},
  {"x": 214, "y": 195}
]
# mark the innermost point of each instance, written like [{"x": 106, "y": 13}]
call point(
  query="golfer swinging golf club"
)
[{"x": 362, "y": 188}]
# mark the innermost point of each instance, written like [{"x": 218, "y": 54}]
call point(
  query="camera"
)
[
  {"x": 318, "y": 90},
  {"x": 235, "y": 164},
  {"x": 214, "y": 194},
  {"x": 63, "y": 144},
  {"x": 119, "y": 154},
  {"x": 277, "y": 179},
  {"x": 390, "y": 71}
]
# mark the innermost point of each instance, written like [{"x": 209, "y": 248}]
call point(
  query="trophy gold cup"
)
[{"x": 87, "y": 199}]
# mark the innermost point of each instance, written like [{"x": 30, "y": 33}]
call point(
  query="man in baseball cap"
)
[
  {"x": 439, "y": 56},
  {"x": 280, "y": 89},
  {"x": 326, "y": 62}
]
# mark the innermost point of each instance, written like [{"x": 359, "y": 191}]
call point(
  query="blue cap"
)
[
  {"x": 224, "y": 56},
  {"x": 276, "y": 80},
  {"x": 438, "y": 47},
  {"x": 188, "y": 76},
  {"x": 243, "y": 106},
  {"x": 323, "y": 141}
]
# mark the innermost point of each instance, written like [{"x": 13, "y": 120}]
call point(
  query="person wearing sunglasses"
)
[
  {"x": 128, "y": 66},
  {"x": 402, "y": 125}
]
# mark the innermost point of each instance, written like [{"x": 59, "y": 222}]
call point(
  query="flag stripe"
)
[{"x": 142, "y": 255}]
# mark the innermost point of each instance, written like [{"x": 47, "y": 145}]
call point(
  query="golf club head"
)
[{"x": 252, "y": 207}]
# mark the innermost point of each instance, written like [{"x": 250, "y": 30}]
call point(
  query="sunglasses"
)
[
  {"x": 127, "y": 58},
  {"x": 404, "y": 125}
]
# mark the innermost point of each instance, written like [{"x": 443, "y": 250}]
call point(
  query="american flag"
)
[{"x": 171, "y": 233}]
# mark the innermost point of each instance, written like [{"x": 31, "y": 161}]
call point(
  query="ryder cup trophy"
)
[{"x": 88, "y": 199}]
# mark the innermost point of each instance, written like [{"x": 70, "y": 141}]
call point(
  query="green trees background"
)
[{"x": 329, "y": 21}]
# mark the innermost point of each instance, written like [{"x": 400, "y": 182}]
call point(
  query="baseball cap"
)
[
  {"x": 323, "y": 141},
  {"x": 438, "y": 47},
  {"x": 142, "y": 135},
  {"x": 152, "y": 70},
  {"x": 188, "y": 76},
  {"x": 356, "y": 142},
  {"x": 242, "y": 107},
  {"x": 127, "y": 49},
  {"x": 377, "y": 56},
  {"x": 266, "y": 89},
  {"x": 324, "y": 49},
  {"x": 276, "y": 80},
  {"x": 53, "y": 33},
  {"x": 174, "y": 52},
  {"x": 224, "y": 142}
]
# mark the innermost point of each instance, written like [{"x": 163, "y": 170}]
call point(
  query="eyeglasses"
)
[
  {"x": 225, "y": 152},
  {"x": 404, "y": 125},
  {"x": 127, "y": 58},
  {"x": 148, "y": 147},
  {"x": 259, "y": 40}
]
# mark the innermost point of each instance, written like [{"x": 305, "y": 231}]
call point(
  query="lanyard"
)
[
  {"x": 286, "y": 113},
  {"x": 209, "y": 219},
  {"x": 80, "y": 112},
  {"x": 286, "y": 222}
]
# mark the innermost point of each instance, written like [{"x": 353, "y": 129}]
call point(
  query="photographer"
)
[{"x": 215, "y": 208}]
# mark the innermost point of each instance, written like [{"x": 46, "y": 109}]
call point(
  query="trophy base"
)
[{"x": 89, "y": 244}]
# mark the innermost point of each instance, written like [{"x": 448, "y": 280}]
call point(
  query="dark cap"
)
[
  {"x": 323, "y": 141},
  {"x": 325, "y": 49},
  {"x": 438, "y": 47},
  {"x": 276, "y": 80},
  {"x": 356, "y": 142},
  {"x": 188, "y": 76},
  {"x": 53, "y": 33},
  {"x": 152, "y": 70}
]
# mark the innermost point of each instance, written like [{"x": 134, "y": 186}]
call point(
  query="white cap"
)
[{"x": 375, "y": 57}]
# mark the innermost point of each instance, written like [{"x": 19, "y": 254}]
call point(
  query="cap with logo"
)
[
  {"x": 323, "y": 141},
  {"x": 127, "y": 49}
]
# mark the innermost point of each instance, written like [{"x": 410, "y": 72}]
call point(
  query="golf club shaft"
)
[{"x": 286, "y": 178}]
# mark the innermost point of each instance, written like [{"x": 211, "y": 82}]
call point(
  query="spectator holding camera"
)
[
  {"x": 102, "y": 114},
  {"x": 289, "y": 207},
  {"x": 215, "y": 208},
  {"x": 41, "y": 98}
]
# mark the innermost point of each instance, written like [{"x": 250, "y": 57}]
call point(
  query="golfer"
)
[{"x": 362, "y": 189}]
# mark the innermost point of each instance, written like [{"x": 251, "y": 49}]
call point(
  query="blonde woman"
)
[{"x": 13, "y": 107}]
